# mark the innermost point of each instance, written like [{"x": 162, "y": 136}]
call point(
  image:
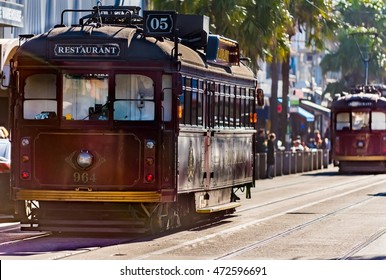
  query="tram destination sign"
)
[
  {"x": 87, "y": 50},
  {"x": 224, "y": 51},
  {"x": 360, "y": 103},
  {"x": 159, "y": 23}
]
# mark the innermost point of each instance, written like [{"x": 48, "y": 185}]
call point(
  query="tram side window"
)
[
  {"x": 134, "y": 98},
  {"x": 360, "y": 120},
  {"x": 243, "y": 110},
  {"x": 191, "y": 102},
  {"x": 232, "y": 106},
  {"x": 343, "y": 121},
  {"x": 238, "y": 107},
  {"x": 40, "y": 97},
  {"x": 85, "y": 97},
  {"x": 216, "y": 105},
  {"x": 195, "y": 107},
  {"x": 226, "y": 107},
  {"x": 378, "y": 121},
  {"x": 167, "y": 98}
]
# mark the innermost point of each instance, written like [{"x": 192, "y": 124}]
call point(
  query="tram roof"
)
[
  {"x": 134, "y": 47},
  {"x": 361, "y": 100}
]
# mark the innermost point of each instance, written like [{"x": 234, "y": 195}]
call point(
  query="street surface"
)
[{"x": 319, "y": 215}]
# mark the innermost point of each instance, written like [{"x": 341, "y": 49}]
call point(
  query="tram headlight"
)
[
  {"x": 84, "y": 159},
  {"x": 150, "y": 144},
  {"x": 360, "y": 144},
  {"x": 24, "y": 142}
]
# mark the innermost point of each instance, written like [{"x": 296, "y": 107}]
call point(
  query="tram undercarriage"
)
[
  {"x": 362, "y": 166},
  {"x": 56, "y": 216}
]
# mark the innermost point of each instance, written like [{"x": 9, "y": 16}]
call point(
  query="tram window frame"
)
[
  {"x": 210, "y": 104},
  {"x": 238, "y": 107},
  {"x": 376, "y": 122},
  {"x": 221, "y": 111},
  {"x": 342, "y": 124},
  {"x": 232, "y": 107},
  {"x": 40, "y": 106},
  {"x": 216, "y": 107},
  {"x": 167, "y": 98},
  {"x": 252, "y": 107},
  {"x": 243, "y": 107},
  {"x": 191, "y": 102},
  {"x": 194, "y": 102},
  {"x": 84, "y": 96},
  {"x": 226, "y": 106},
  {"x": 141, "y": 95},
  {"x": 248, "y": 108},
  {"x": 360, "y": 120}
]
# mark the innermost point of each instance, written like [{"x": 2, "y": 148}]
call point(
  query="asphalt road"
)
[{"x": 319, "y": 215}]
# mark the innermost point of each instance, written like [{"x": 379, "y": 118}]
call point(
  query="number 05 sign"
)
[{"x": 159, "y": 23}]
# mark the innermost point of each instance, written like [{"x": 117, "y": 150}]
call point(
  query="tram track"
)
[
  {"x": 289, "y": 231},
  {"x": 218, "y": 228},
  {"x": 362, "y": 245},
  {"x": 274, "y": 237},
  {"x": 303, "y": 194}
]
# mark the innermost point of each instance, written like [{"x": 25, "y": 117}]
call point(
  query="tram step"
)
[{"x": 218, "y": 208}]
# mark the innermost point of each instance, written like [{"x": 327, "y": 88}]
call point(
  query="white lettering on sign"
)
[
  {"x": 10, "y": 14},
  {"x": 87, "y": 49}
]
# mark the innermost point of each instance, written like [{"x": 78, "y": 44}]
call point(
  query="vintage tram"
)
[
  {"x": 358, "y": 126},
  {"x": 129, "y": 123}
]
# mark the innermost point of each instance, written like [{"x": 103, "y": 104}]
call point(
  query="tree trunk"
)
[
  {"x": 273, "y": 101},
  {"x": 285, "y": 70}
]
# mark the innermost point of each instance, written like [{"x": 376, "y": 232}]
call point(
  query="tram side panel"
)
[
  {"x": 232, "y": 161},
  {"x": 210, "y": 166}
]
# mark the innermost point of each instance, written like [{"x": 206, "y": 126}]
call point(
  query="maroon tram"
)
[
  {"x": 358, "y": 126},
  {"x": 130, "y": 123}
]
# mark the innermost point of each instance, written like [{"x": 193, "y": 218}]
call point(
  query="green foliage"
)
[{"x": 361, "y": 38}]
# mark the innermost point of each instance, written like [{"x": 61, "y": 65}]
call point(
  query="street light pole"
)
[{"x": 365, "y": 50}]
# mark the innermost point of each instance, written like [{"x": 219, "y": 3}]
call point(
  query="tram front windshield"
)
[
  {"x": 86, "y": 97},
  {"x": 359, "y": 121}
]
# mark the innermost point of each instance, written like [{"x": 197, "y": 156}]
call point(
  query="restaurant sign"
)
[{"x": 87, "y": 50}]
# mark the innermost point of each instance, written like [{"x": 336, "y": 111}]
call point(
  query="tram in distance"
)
[
  {"x": 130, "y": 123},
  {"x": 358, "y": 126}
]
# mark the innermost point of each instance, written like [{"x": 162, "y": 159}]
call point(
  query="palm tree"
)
[
  {"x": 316, "y": 20},
  {"x": 361, "y": 20}
]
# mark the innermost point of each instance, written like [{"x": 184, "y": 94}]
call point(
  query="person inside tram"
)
[{"x": 3, "y": 132}]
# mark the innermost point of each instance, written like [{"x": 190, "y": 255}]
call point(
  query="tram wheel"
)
[{"x": 155, "y": 224}]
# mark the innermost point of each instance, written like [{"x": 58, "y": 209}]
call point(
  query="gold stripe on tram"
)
[
  {"x": 360, "y": 158},
  {"x": 95, "y": 196}
]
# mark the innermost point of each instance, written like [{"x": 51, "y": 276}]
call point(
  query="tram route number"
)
[
  {"x": 84, "y": 177},
  {"x": 159, "y": 23}
]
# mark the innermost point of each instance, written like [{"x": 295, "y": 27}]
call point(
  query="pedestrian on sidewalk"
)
[{"x": 271, "y": 155}]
